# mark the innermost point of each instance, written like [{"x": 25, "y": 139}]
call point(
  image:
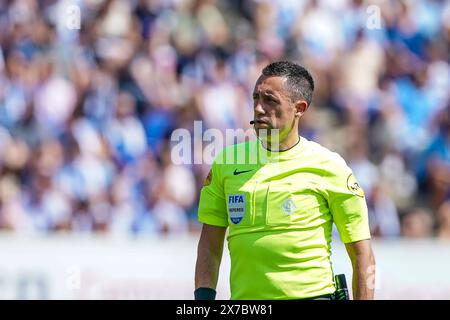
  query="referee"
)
[{"x": 280, "y": 208}]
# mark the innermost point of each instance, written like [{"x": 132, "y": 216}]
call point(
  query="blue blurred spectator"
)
[{"x": 86, "y": 115}]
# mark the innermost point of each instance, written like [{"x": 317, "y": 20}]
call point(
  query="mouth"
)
[
  {"x": 259, "y": 121},
  {"x": 261, "y": 125}
]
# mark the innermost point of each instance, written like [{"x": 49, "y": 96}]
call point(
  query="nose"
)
[{"x": 259, "y": 110}]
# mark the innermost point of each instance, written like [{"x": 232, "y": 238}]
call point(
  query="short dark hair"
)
[{"x": 299, "y": 81}]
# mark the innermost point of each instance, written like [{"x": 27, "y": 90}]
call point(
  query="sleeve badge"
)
[
  {"x": 208, "y": 179},
  {"x": 354, "y": 187}
]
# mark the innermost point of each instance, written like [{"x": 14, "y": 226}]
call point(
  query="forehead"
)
[{"x": 274, "y": 84}]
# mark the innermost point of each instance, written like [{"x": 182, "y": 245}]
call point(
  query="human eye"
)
[{"x": 270, "y": 99}]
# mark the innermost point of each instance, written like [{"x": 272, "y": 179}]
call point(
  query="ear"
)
[{"x": 300, "y": 107}]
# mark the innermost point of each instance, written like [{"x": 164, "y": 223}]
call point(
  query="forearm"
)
[
  {"x": 363, "y": 263},
  {"x": 363, "y": 281},
  {"x": 207, "y": 266}
]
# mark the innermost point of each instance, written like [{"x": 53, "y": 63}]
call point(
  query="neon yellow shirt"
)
[{"x": 279, "y": 209}]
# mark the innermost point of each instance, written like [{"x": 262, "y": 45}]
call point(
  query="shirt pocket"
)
[{"x": 288, "y": 206}]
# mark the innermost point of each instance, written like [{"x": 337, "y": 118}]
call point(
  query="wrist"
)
[{"x": 203, "y": 293}]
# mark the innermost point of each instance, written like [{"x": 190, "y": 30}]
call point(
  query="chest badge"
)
[
  {"x": 236, "y": 207},
  {"x": 288, "y": 206}
]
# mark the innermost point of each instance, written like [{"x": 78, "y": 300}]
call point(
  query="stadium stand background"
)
[{"x": 86, "y": 115}]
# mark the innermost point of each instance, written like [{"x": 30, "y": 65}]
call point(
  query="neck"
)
[{"x": 284, "y": 145}]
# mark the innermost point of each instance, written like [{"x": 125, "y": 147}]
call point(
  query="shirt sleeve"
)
[
  {"x": 347, "y": 204},
  {"x": 212, "y": 206}
]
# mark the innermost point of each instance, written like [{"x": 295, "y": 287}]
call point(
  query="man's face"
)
[{"x": 273, "y": 108}]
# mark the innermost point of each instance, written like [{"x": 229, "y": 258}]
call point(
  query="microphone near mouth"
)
[{"x": 252, "y": 122}]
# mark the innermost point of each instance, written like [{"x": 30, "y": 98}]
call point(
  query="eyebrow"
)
[{"x": 266, "y": 93}]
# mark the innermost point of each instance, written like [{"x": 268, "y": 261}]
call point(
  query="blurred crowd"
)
[{"x": 86, "y": 114}]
